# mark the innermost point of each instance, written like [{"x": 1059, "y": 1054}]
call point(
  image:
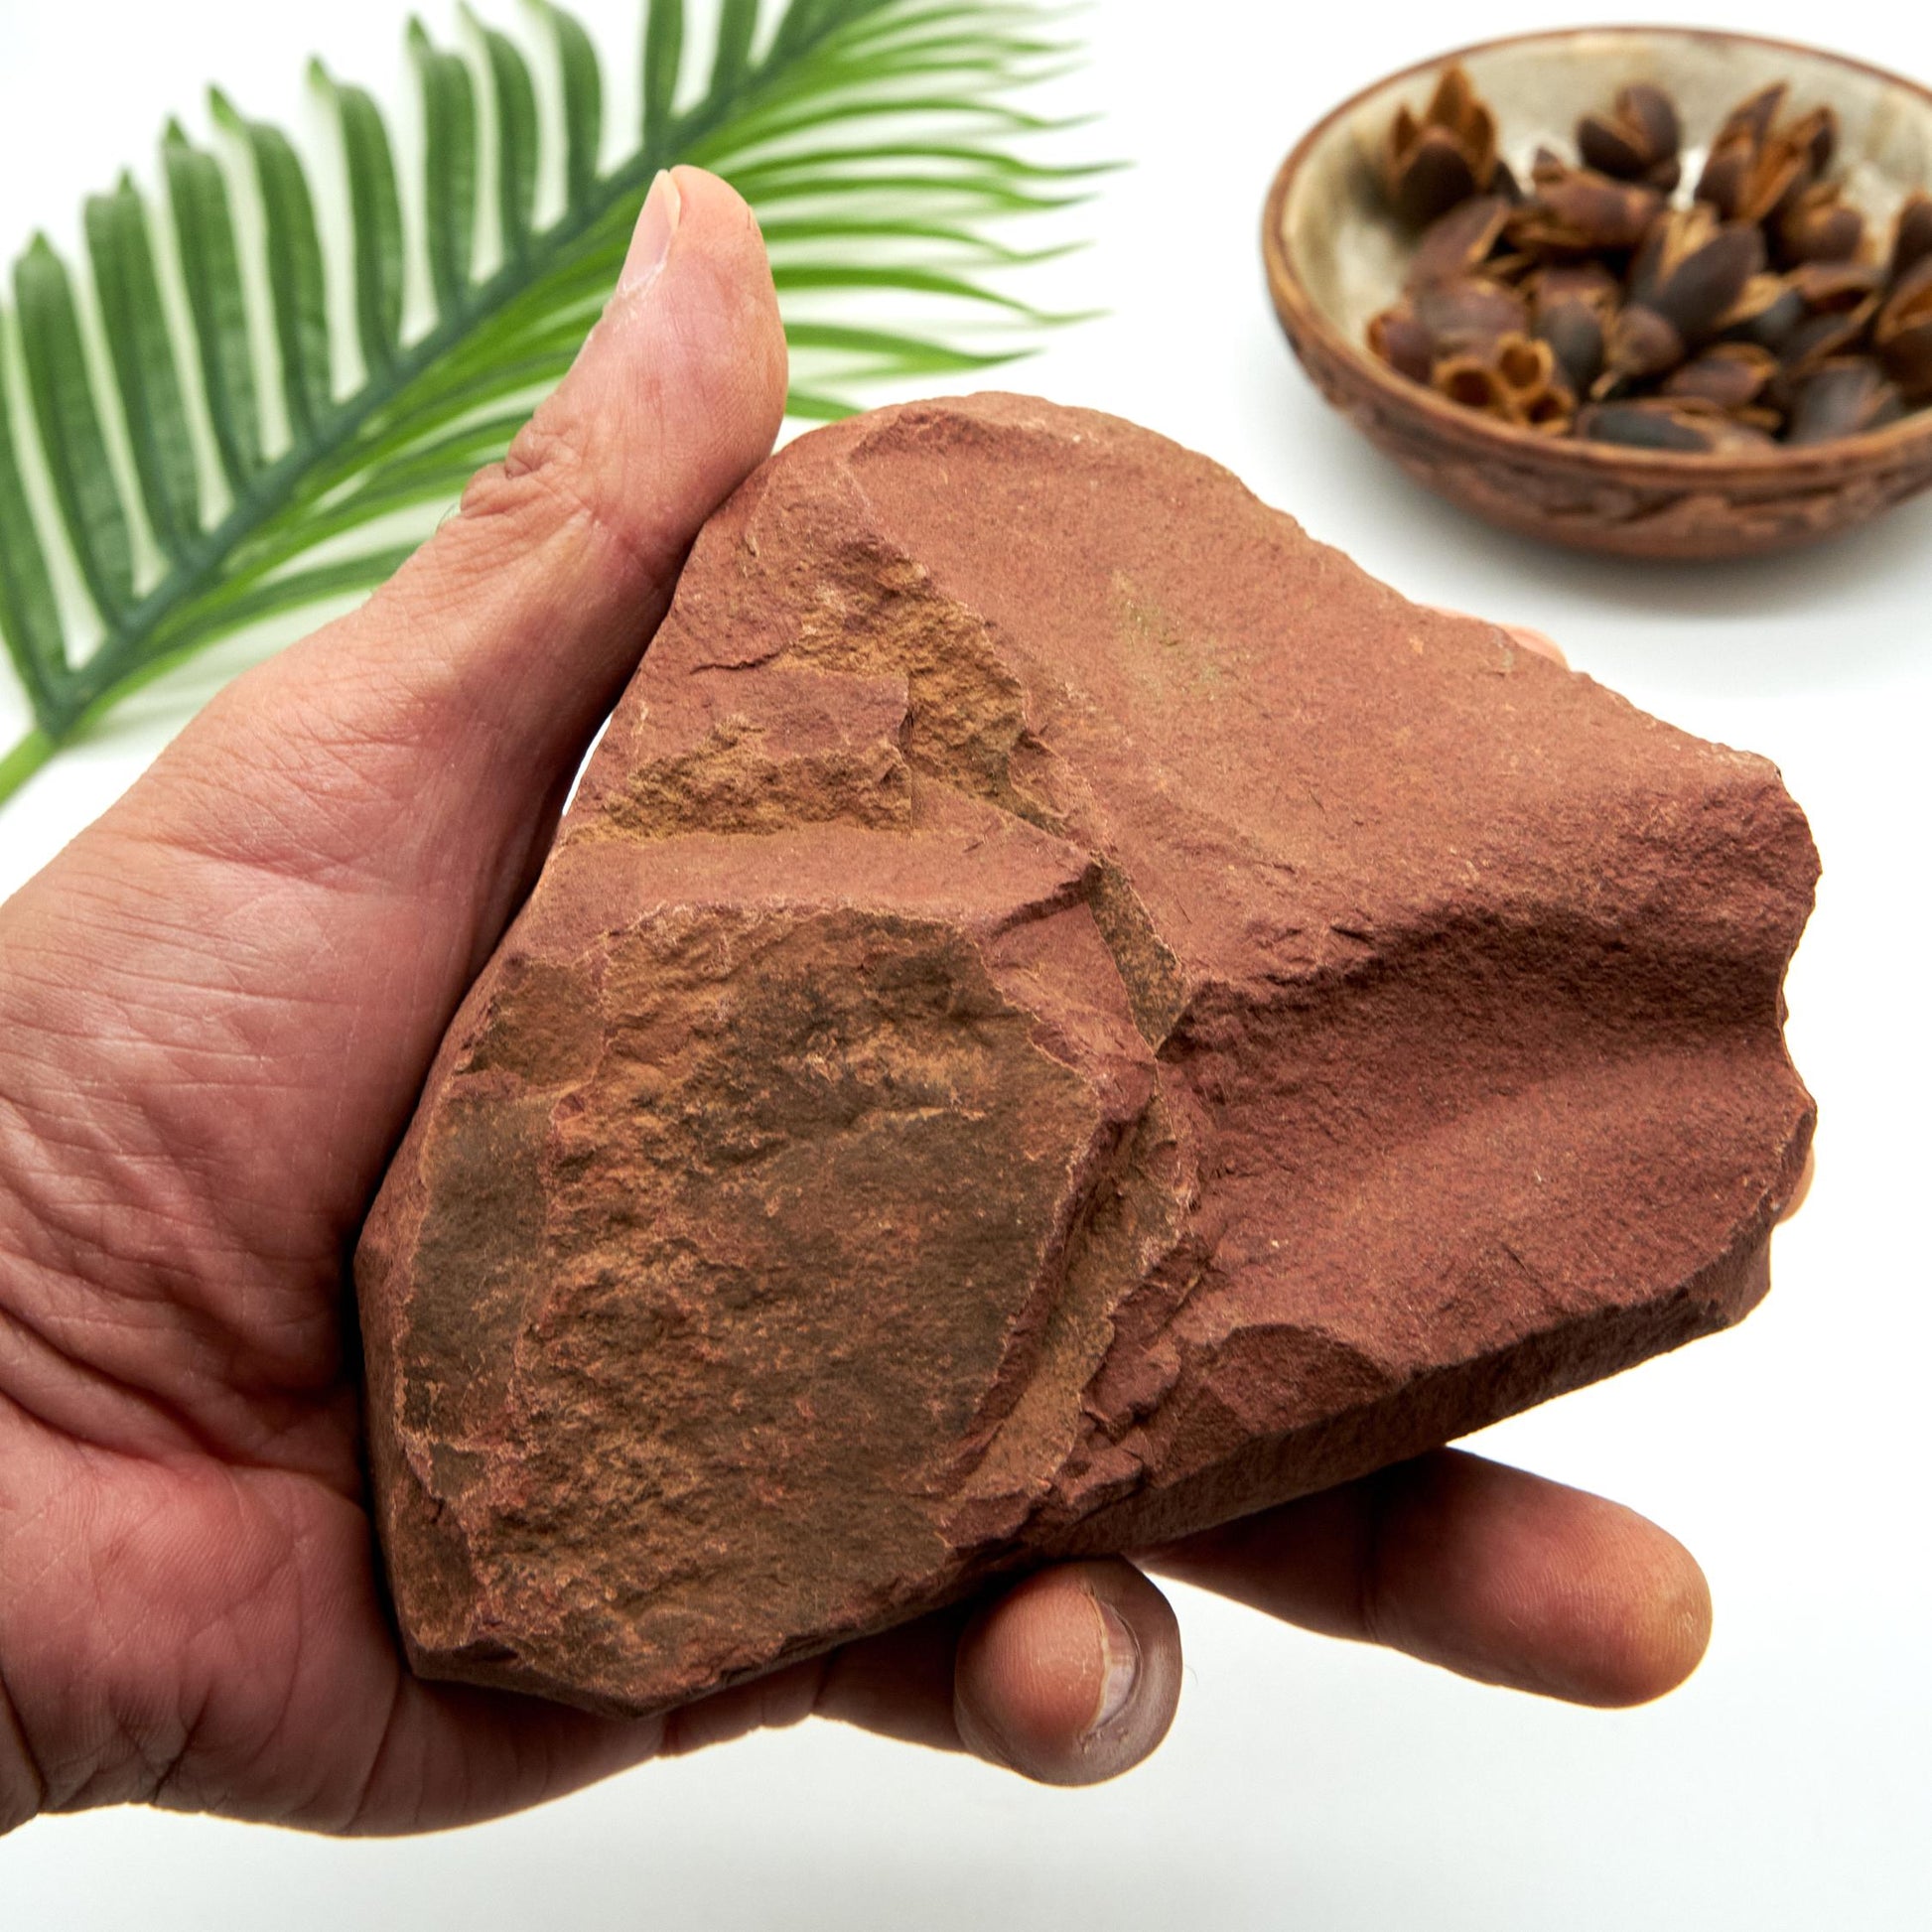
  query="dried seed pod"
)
[
  {"x": 1731, "y": 375},
  {"x": 1756, "y": 166},
  {"x": 1653, "y": 110},
  {"x": 1574, "y": 329},
  {"x": 1514, "y": 267},
  {"x": 1583, "y": 281},
  {"x": 1429, "y": 165},
  {"x": 1639, "y": 344},
  {"x": 1903, "y": 333},
  {"x": 1766, "y": 313},
  {"x": 1650, "y": 424},
  {"x": 1469, "y": 315},
  {"x": 1819, "y": 225},
  {"x": 1550, "y": 412},
  {"x": 1836, "y": 286},
  {"x": 1844, "y": 397},
  {"x": 1547, "y": 165},
  {"x": 1757, "y": 112},
  {"x": 1816, "y": 133},
  {"x": 1637, "y": 140},
  {"x": 1692, "y": 268},
  {"x": 1400, "y": 340},
  {"x": 1821, "y": 337},
  {"x": 1524, "y": 365},
  {"x": 1911, "y": 234},
  {"x": 1472, "y": 384},
  {"x": 1583, "y": 213},
  {"x": 1457, "y": 242}
]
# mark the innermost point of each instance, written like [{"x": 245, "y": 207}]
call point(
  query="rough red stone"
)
[{"x": 1063, "y": 1012}]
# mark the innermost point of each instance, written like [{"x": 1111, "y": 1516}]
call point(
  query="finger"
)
[
  {"x": 1070, "y": 1677},
  {"x": 1486, "y": 1570}
]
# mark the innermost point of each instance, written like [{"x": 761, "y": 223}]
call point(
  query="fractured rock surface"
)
[{"x": 1063, "y": 1012}]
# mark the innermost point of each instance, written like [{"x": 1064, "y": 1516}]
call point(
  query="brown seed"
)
[
  {"x": 1657, "y": 425},
  {"x": 1469, "y": 315},
  {"x": 1755, "y": 113},
  {"x": 1639, "y": 344},
  {"x": 1827, "y": 334},
  {"x": 1400, "y": 340},
  {"x": 1655, "y": 112},
  {"x": 1755, "y": 165},
  {"x": 1645, "y": 426},
  {"x": 1903, "y": 333},
  {"x": 1692, "y": 268},
  {"x": 1456, "y": 243},
  {"x": 1844, "y": 397},
  {"x": 1636, "y": 140},
  {"x": 1829, "y": 287},
  {"x": 1585, "y": 281},
  {"x": 1610, "y": 147},
  {"x": 1547, "y": 165},
  {"x": 1766, "y": 313},
  {"x": 1911, "y": 234},
  {"x": 1584, "y": 213},
  {"x": 1732, "y": 375},
  {"x": 1819, "y": 226},
  {"x": 1574, "y": 329},
  {"x": 1432, "y": 164},
  {"x": 1816, "y": 133}
]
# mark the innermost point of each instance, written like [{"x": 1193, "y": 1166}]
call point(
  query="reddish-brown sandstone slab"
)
[{"x": 1064, "y": 1010}]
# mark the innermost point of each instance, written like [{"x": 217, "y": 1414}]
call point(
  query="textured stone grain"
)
[{"x": 1063, "y": 1012}]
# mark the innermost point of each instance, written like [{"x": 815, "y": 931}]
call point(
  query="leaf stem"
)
[{"x": 25, "y": 759}]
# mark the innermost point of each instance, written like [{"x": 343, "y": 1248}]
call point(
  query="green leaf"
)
[
  {"x": 517, "y": 140},
  {"x": 583, "y": 83},
  {"x": 663, "y": 52},
  {"x": 737, "y": 25},
  {"x": 144, "y": 365},
  {"x": 29, "y": 619},
  {"x": 376, "y": 209},
  {"x": 876, "y": 140},
  {"x": 197, "y": 195},
  {"x": 70, "y": 434},
  {"x": 448, "y": 166},
  {"x": 298, "y": 289}
]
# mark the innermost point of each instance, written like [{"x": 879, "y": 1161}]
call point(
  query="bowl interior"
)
[{"x": 1350, "y": 252}]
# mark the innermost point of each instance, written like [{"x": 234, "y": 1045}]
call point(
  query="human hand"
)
[{"x": 217, "y": 1007}]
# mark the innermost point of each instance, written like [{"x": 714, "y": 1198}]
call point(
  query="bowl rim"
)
[{"x": 1298, "y": 311}]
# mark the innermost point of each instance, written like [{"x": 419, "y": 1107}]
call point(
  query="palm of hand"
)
[{"x": 218, "y": 1006}]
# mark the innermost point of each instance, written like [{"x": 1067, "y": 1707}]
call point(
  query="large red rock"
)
[{"x": 1063, "y": 1012}]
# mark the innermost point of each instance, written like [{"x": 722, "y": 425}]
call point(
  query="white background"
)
[{"x": 1306, "y": 1784}]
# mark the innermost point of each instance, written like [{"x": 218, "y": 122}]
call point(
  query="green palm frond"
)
[{"x": 194, "y": 439}]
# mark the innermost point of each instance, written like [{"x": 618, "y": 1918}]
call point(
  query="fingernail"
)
[
  {"x": 650, "y": 242},
  {"x": 1122, "y": 1672}
]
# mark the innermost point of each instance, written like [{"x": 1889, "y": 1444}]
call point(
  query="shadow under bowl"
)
[{"x": 1335, "y": 256}]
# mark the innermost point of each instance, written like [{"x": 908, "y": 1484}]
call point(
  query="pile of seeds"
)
[{"x": 1591, "y": 304}]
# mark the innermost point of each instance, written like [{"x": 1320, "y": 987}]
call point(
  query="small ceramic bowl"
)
[{"x": 1335, "y": 256}]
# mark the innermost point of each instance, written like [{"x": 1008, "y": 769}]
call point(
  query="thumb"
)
[
  {"x": 322, "y": 861},
  {"x": 470, "y": 683}
]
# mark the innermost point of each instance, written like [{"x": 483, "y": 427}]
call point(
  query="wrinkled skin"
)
[{"x": 218, "y": 1005}]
